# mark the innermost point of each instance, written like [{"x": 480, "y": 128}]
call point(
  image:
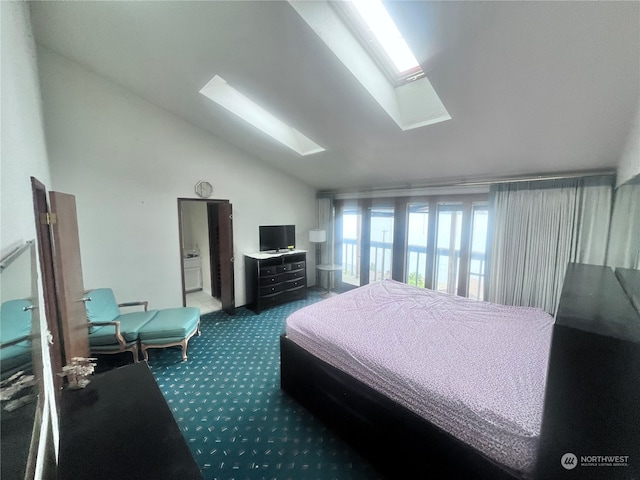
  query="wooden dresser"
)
[
  {"x": 591, "y": 419},
  {"x": 272, "y": 279}
]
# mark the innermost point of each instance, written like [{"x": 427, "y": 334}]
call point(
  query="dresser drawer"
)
[
  {"x": 295, "y": 293},
  {"x": 294, "y": 274},
  {"x": 272, "y": 280},
  {"x": 268, "y": 271},
  {"x": 294, "y": 284},
  {"x": 271, "y": 289},
  {"x": 297, "y": 265},
  {"x": 266, "y": 302}
]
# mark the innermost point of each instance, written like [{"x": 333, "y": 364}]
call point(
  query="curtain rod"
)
[
  {"x": 450, "y": 182},
  {"x": 558, "y": 176}
]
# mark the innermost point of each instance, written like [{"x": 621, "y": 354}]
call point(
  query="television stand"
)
[{"x": 274, "y": 278}]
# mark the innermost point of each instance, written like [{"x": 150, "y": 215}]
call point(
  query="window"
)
[
  {"x": 351, "y": 239},
  {"x": 370, "y": 21},
  {"x": 431, "y": 242},
  {"x": 449, "y": 237},
  {"x": 381, "y": 243},
  {"x": 477, "y": 262},
  {"x": 417, "y": 240},
  {"x": 220, "y": 92}
]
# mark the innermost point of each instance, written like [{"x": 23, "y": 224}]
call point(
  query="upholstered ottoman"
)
[{"x": 170, "y": 327}]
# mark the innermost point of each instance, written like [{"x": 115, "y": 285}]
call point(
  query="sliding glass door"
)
[
  {"x": 431, "y": 242},
  {"x": 449, "y": 237},
  {"x": 351, "y": 240},
  {"x": 417, "y": 242},
  {"x": 477, "y": 262},
  {"x": 366, "y": 244},
  {"x": 380, "y": 243}
]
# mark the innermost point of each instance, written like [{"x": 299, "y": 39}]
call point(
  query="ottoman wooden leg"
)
[{"x": 184, "y": 349}]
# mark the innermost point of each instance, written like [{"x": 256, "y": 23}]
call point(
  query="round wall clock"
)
[{"x": 204, "y": 189}]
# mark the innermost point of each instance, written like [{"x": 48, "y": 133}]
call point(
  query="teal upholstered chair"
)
[
  {"x": 15, "y": 337},
  {"x": 109, "y": 330}
]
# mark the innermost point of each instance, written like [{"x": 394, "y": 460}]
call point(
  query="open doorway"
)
[{"x": 206, "y": 254}]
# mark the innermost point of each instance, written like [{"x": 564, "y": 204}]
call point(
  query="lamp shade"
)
[{"x": 317, "y": 236}]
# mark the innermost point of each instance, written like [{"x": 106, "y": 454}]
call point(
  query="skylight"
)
[
  {"x": 228, "y": 97},
  {"x": 409, "y": 99},
  {"x": 385, "y": 31}
]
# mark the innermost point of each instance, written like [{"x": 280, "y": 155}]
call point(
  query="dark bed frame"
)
[
  {"x": 401, "y": 444},
  {"x": 395, "y": 440}
]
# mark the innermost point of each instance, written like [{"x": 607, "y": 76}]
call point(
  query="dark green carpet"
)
[{"x": 227, "y": 401}]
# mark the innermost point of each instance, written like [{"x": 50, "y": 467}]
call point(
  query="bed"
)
[{"x": 414, "y": 378}]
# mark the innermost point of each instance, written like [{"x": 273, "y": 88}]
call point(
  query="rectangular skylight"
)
[
  {"x": 410, "y": 100},
  {"x": 384, "y": 30},
  {"x": 218, "y": 90}
]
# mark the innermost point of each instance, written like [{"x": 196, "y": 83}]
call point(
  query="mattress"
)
[{"x": 475, "y": 369}]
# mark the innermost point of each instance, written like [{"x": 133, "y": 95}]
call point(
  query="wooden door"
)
[
  {"x": 225, "y": 230},
  {"x": 214, "y": 248},
  {"x": 45, "y": 254},
  {"x": 68, "y": 276}
]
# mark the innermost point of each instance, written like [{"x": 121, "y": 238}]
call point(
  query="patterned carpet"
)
[{"x": 227, "y": 401}]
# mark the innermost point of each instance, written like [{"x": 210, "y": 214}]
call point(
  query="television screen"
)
[{"x": 277, "y": 237}]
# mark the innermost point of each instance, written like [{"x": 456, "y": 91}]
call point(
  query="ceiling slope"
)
[{"x": 532, "y": 87}]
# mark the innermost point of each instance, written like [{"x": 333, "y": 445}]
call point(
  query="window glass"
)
[
  {"x": 417, "y": 238},
  {"x": 448, "y": 238},
  {"x": 351, "y": 245},
  {"x": 381, "y": 243},
  {"x": 477, "y": 261}
]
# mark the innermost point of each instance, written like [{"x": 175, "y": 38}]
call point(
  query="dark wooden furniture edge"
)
[
  {"x": 592, "y": 398},
  {"x": 120, "y": 426},
  {"x": 395, "y": 440},
  {"x": 630, "y": 281},
  {"x": 252, "y": 270}
]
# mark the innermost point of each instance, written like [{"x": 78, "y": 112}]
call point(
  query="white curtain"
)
[
  {"x": 539, "y": 227},
  {"x": 624, "y": 235},
  {"x": 326, "y": 223}
]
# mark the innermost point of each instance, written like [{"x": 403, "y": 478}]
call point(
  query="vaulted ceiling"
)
[{"x": 532, "y": 87}]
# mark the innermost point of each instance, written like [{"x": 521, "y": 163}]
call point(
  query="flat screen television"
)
[{"x": 277, "y": 237}]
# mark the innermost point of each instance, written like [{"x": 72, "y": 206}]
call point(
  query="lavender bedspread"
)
[{"x": 475, "y": 369}]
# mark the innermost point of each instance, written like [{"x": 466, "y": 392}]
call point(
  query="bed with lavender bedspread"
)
[{"x": 475, "y": 369}]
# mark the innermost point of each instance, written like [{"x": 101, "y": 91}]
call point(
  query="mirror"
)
[{"x": 21, "y": 395}]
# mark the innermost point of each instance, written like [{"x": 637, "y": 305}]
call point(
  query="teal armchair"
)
[
  {"x": 111, "y": 331},
  {"x": 15, "y": 337}
]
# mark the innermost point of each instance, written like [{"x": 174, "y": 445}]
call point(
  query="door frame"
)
[
  {"x": 45, "y": 254},
  {"x": 208, "y": 201}
]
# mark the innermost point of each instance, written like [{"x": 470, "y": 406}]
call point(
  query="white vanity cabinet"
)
[{"x": 192, "y": 274}]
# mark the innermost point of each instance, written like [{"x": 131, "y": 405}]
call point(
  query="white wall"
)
[
  {"x": 127, "y": 161},
  {"x": 629, "y": 166},
  {"x": 23, "y": 154}
]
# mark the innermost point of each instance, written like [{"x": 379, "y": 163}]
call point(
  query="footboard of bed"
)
[{"x": 395, "y": 440}]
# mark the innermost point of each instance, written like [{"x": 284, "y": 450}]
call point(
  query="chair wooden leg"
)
[{"x": 134, "y": 352}]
